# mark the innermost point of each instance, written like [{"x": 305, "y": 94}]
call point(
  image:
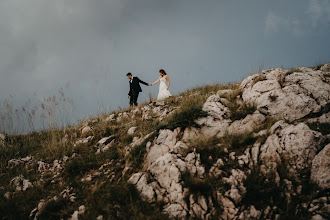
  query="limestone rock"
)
[
  {"x": 215, "y": 108},
  {"x": 190, "y": 134},
  {"x": 325, "y": 67},
  {"x": 248, "y": 124},
  {"x": 110, "y": 118},
  {"x": 162, "y": 181},
  {"x": 229, "y": 209},
  {"x": 2, "y": 139},
  {"x": 212, "y": 127},
  {"x": 165, "y": 143},
  {"x": 86, "y": 130},
  {"x": 320, "y": 172},
  {"x": 180, "y": 147},
  {"x": 20, "y": 183},
  {"x": 131, "y": 131},
  {"x": 292, "y": 97},
  {"x": 85, "y": 140},
  {"x": 215, "y": 170},
  {"x": 297, "y": 143}
]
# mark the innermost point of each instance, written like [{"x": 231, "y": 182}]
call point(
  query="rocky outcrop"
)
[
  {"x": 262, "y": 152},
  {"x": 163, "y": 183},
  {"x": 320, "y": 172},
  {"x": 288, "y": 96},
  {"x": 295, "y": 145}
]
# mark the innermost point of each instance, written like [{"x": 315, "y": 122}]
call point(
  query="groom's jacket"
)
[{"x": 135, "y": 85}]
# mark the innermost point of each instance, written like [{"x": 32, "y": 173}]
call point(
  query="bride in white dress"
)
[{"x": 163, "y": 88}]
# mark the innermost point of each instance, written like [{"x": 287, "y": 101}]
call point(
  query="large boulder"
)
[
  {"x": 320, "y": 173},
  {"x": 165, "y": 143},
  {"x": 248, "y": 124},
  {"x": 288, "y": 95},
  {"x": 295, "y": 144},
  {"x": 163, "y": 182},
  {"x": 218, "y": 120}
]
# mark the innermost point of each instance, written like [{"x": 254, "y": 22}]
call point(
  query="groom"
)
[{"x": 134, "y": 88}]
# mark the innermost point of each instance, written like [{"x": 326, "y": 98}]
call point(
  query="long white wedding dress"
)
[{"x": 163, "y": 92}]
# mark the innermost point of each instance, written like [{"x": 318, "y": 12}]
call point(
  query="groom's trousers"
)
[{"x": 133, "y": 98}]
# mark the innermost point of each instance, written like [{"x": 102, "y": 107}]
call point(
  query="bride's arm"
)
[
  {"x": 155, "y": 82},
  {"x": 168, "y": 82}
]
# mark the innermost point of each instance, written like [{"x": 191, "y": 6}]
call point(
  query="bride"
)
[{"x": 163, "y": 88}]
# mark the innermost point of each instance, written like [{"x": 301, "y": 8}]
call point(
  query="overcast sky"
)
[{"x": 88, "y": 46}]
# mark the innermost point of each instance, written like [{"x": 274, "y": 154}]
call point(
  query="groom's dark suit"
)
[{"x": 135, "y": 89}]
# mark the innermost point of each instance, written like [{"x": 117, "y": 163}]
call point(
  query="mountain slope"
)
[{"x": 254, "y": 150}]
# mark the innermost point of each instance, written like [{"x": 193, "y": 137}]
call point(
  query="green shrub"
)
[
  {"x": 81, "y": 164},
  {"x": 185, "y": 116},
  {"x": 261, "y": 191},
  {"x": 58, "y": 209},
  {"x": 196, "y": 185},
  {"x": 293, "y": 70},
  {"x": 136, "y": 155},
  {"x": 120, "y": 201},
  {"x": 240, "y": 111},
  {"x": 209, "y": 150},
  {"x": 324, "y": 128},
  {"x": 238, "y": 142}
]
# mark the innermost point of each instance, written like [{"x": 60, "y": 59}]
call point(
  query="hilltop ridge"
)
[{"x": 258, "y": 149}]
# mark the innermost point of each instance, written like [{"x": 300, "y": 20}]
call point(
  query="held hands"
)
[{"x": 150, "y": 84}]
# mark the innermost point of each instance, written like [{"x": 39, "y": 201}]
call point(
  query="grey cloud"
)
[
  {"x": 45, "y": 44},
  {"x": 315, "y": 15},
  {"x": 319, "y": 12}
]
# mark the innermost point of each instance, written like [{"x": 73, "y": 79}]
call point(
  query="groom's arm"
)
[{"x": 140, "y": 81}]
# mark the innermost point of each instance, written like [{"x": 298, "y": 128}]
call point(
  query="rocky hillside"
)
[{"x": 254, "y": 150}]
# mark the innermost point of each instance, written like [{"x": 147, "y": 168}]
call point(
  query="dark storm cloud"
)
[{"x": 93, "y": 44}]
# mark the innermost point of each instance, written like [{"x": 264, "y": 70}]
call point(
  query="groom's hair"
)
[{"x": 128, "y": 74}]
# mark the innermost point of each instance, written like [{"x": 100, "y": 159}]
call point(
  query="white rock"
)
[
  {"x": 176, "y": 211},
  {"x": 2, "y": 139},
  {"x": 254, "y": 213},
  {"x": 317, "y": 217},
  {"x": 140, "y": 180},
  {"x": 232, "y": 156},
  {"x": 7, "y": 195},
  {"x": 155, "y": 152},
  {"x": 180, "y": 147},
  {"x": 255, "y": 153},
  {"x": 215, "y": 170},
  {"x": 293, "y": 101},
  {"x": 320, "y": 172},
  {"x": 86, "y": 130},
  {"x": 228, "y": 206},
  {"x": 234, "y": 195},
  {"x": 212, "y": 127},
  {"x": 85, "y": 140},
  {"x": 165, "y": 143},
  {"x": 215, "y": 108},
  {"x": 75, "y": 215},
  {"x": 167, "y": 138},
  {"x": 297, "y": 143},
  {"x": 20, "y": 183},
  {"x": 190, "y": 134},
  {"x": 248, "y": 124},
  {"x": 81, "y": 209},
  {"x": 105, "y": 140},
  {"x": 131, "y": 131},
  {"x": 110, "y": 117}
]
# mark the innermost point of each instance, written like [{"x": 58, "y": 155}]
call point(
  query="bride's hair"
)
[{"x": 162, "y": 72}]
